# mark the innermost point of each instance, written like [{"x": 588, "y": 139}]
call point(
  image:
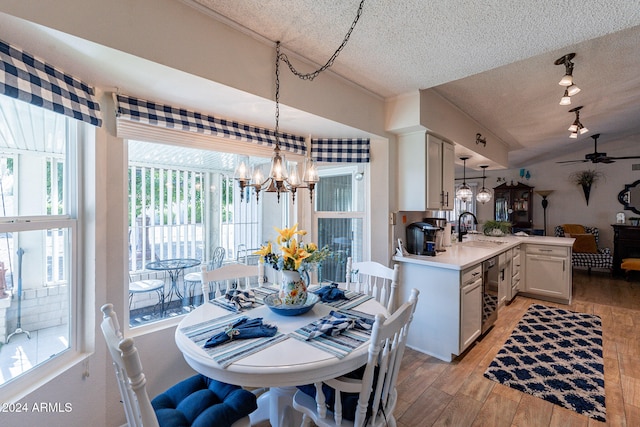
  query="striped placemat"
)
[
  {"x": 260, "y": 294},
  {"x": 231, "y": 351},
  {"x": 340, "y": 345},
  {"x": 353, "y": 299}
]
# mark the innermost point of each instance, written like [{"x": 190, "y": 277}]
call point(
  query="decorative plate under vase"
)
[{"x": 293, "y": 290}]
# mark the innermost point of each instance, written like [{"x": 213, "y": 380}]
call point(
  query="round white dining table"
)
[{"x": 281, "y": 366}]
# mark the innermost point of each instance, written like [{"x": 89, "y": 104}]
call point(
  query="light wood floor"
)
[{"x": 436, "y": 393}]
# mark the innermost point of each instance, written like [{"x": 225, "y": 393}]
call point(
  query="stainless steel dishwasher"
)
[{"x": 491, "y": 277}]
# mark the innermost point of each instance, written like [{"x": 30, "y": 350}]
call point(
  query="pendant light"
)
[
  {"x": 280, "y": 180},
  {"x": 483, "y": 195},
  {"x": 464, "y": 193}
]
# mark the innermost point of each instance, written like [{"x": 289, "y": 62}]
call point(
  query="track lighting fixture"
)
[
  {"x": 484, "y": 195},
  {"x": 464, "y": 193},
  {"x": 576, "y": 127},
  {"x": 567, "y": 79}
]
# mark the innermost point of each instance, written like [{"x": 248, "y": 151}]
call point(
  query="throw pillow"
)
[
  {"x": 573, "y": 229},
  {"x": 585, "y": 243}
]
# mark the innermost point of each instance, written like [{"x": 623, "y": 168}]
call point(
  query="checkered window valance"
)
[
  {"x": 340, "y": 150},
  {"x": 30, "y": 79},
  {"x": 166, "y": 116}
]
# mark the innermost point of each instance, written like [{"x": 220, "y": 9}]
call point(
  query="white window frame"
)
[
  {"x": 364, "y": 215},
  {"x": 29, "y": 381}
]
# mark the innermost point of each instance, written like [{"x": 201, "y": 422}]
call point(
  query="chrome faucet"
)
[{"x": 460, "y": 232}]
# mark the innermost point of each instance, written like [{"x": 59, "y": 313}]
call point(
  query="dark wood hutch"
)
[
  {"x": 626, "y": 244},
  {"x": 514, "y": 203}
]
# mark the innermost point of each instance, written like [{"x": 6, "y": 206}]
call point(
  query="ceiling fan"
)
[{"x": 596, "y": 157}]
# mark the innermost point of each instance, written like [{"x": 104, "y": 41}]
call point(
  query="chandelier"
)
[{"x": 281, "y": 180}]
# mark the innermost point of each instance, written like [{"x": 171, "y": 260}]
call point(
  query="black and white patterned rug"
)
[{"x": 556, "y": 355}]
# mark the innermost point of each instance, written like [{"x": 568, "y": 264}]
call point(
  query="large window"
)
[
  {"x": 184, "y": 204},
  {"x": 38, "y": 189}
]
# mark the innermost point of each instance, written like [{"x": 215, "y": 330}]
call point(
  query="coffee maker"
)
[
  {"x": 439, "y": 238},
  {"x": 421, "y": 238}
]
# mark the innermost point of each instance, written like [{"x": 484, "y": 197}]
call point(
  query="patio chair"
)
[
  {"x": 366, "y": 396},
  {"x": 232, "y": 276},
  {"x": 137, "y": 287},
  {"x": 198, "y": 400},
  {"x": 191, "y": 279},
  {"x": 374, "y": 279}
]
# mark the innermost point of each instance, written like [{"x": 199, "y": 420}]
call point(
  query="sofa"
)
[{"x": 586, "y": 250}]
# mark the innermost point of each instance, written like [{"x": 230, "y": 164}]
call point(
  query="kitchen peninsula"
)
[{"x": 462, "y": 288}]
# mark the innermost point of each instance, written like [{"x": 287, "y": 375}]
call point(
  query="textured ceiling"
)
[{"x": 493, "y": 59}]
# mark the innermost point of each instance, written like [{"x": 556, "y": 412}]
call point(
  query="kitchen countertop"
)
[{"x": 460, "y": 256}]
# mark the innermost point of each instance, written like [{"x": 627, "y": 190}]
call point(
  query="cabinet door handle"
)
[
  {"x": 563, "y": 262},
  {"x": 447, "y": 198},
  {"x": 545, "y": 250}
]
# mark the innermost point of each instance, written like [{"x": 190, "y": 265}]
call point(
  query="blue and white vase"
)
[{"x": 293, "y": 290}]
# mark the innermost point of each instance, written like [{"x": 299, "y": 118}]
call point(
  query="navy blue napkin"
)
[
  {"x": 243, "y": 328},
  {"x": 330, "y": 293},
  {"x": 241, "y": 299}
]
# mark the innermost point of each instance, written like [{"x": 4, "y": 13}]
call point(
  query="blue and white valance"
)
[
  {"x": 151, "y": 113},
  {"x": 340, "y": 150},
  {"x": 30, "y": 79}
]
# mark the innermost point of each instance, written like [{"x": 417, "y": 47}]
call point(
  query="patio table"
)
[{"x": 174, "y": 267}]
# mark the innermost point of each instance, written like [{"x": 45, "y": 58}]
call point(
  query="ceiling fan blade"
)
[
  {"x": 625, "y": 157},
  {"x": 573, "y": 161}
]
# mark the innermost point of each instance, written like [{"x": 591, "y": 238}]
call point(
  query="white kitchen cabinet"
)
[
  {"x": 425, "y": 173},
  {"x": 516, "y": 268},
  {"x": 470, "y": 306},
  {"x": 548, "y": 272},
  {"x": 504, "y": 278}
]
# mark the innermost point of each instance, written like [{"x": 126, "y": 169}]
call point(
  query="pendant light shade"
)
[
  {"x": 484, "y": 195},
  {"x": 464, "y": 193}
]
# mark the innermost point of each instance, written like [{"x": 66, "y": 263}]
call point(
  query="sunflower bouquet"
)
[{"x": 293, "y": 254}]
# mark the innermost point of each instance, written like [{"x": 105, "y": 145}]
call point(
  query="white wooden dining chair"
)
[
  {"x": 231, "y": 276},
  {"x": 227, "y": 405},
  {"x": 371, "y": 399},
  {"x": 193, "y": 278},
  {"x": 372, "y": 278}
]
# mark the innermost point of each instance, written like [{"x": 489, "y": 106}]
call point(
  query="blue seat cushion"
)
[{"x": 200, "y": 401}]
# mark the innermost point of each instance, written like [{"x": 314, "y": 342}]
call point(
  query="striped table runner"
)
[
  {"x": 340, "y": 345},
  {"x": 229, "y": 352}
]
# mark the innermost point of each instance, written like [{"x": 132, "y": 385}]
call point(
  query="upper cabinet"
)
[
  {"x": 425, "y": 173},
  {"x": 513, "y": 203}
]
